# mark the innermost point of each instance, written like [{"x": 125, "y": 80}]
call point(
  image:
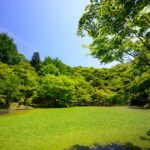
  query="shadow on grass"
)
[
  {"x": 112, "y": 146},
  {"x": 3, "y": 112},
  {"x": 147, "y": 137},
  {"x": 136, "y": 107},
  {"x": 145, "y": 107}
]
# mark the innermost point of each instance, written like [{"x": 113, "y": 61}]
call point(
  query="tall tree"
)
[
  {"x": 35, "y": 61},
  {"x": 8, "y": 50},
  {"x": 119, "y": 29},
  {"x": 29, "y": 82},
  {"x": 9, "y": 84}
]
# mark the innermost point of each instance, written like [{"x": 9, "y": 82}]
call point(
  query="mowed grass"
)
[{"x": 59, "y": 129}]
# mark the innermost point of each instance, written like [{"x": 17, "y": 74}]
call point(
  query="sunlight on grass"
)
[{"x": 57, "y": 129}]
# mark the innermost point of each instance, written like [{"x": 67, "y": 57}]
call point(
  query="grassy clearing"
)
[{"x": 57, "y": 129}]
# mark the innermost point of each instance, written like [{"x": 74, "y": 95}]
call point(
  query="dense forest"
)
[{"x": 51, "y": 83}]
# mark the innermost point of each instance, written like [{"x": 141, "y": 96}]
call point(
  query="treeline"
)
[{"x": 51, "y": 83}]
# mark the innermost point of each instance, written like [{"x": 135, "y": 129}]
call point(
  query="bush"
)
[{"x": 102, "y": 97}]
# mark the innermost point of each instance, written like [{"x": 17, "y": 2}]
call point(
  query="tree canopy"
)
[
  {"x": 120, "y": 30},
  {"x": 35, "y": 61},
  {"x": 52, "y": 83},
  {"x": 8, "y": 50}
]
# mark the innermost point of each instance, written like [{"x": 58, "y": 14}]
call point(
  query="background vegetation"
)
[
  {"x": 120, "y": 31},
  {"x": 51, "y": 83}
]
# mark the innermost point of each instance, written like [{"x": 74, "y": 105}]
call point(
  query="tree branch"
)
[
  {"x": 148, "y": 21},
  {"x": 145, "y": 44}
]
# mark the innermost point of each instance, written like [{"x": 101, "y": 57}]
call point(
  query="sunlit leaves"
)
[{"x": 117, "y": 28}]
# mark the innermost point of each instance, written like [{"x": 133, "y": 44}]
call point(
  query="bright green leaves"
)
[
  {"x": 29, "y": 82},
  {"x": 57, "y": 90},
  {"x": 102, "y": 97},
  {"x": 118, "y": 28},
  {"x": 52, "y": 83},
  {"x": 54, "y": 66},
  {"x": 9, "y": 85},
  {"x": 49, "y": 69}
]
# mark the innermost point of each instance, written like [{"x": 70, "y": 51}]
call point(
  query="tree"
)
[
  {"x": 35, "y": 61},
  {"x": 29, "y": 82},
  {"x": 8, "y": 51},
  {"x": 49, "y": 69},
  {"x": 63, "y": 68},
  {"x": 119, "y": 29},
  {"x": 56, "y": 90},
  {"x": 47, "y": 60},
  {"x": 140, "y": 90},
  {"x": 83, "y": 91},
  {"x": 9, "y": 85},
  {"x": 102, "y": 97}
]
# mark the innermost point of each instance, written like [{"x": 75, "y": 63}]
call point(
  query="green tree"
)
[
  {"x": 102, "y": 97},
  {"x": 140, "y": 90},
  {"x": 49, "y": 69},
  {"x": 119, "y": 29},
  {"x": 8, "y": 51},
  {"x": 83, "y": 91},
  {"x": 35, "y": 61},
  {"x": 9, "y": 85},
  {"x": 86, "y": 72},
  {"x": 57, "y": 90},
  {"x": 47, "y": 60},
  {"x": 62, "y": 68},
  {"x": 29, "y": 82}
]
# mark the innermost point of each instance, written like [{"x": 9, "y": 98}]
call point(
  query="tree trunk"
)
[{"x": 8, "y": 101}]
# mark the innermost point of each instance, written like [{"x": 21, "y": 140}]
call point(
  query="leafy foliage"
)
[
  {"x": 29, "y": 82},
  {"x": 8, "y": 51},
  {"x": 57, "y": 91},
  {"x": 9, "y": 85},
  {"x": 35, "y": 61},
  {"x": 51, "y": 83},
  {"x": 49, "y": 69},
  {"x": 119, "y": 29}
]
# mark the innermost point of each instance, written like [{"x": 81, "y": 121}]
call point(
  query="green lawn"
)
[{"x": 59, "y": 129}]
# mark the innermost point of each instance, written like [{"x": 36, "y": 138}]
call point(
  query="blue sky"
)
[{"x": 49, "y": 27}]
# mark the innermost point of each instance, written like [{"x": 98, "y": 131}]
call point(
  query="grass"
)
[{"x": 59, "y": 129}]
